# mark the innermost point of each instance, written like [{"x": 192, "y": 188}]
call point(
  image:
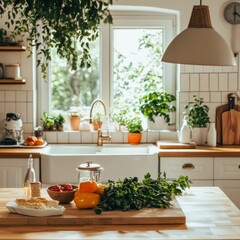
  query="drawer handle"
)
[{"x": 188, "y": 166}]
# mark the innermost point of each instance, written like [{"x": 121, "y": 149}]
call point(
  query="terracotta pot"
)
[
  {"x": 75, "y": 122},
  {"x": 134, "y": 138},
  {"x": 96, "y": 125}
]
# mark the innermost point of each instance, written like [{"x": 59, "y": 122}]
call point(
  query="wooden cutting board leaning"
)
[{"x": 227, "y": 123}]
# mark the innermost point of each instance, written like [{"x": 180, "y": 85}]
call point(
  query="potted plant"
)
[
  {"x": 48, "y": 122},
  {"x": 59, "y": 121},
  {"x": 97, "y": 122},
  {"x": 198, "y": 119},
  {"x": 75, "y": 119},
  {"x": 156, "y": 107},
  {"x": 119, "y": 116},
  {"x": 135, "y": 128},
  {"x": 57, "y": 23}
]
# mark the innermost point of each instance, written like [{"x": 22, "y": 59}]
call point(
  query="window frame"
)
[{"x": 122, "y": 15}]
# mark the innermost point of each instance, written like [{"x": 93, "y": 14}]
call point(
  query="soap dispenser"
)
[{"x": 185, "y": 132}]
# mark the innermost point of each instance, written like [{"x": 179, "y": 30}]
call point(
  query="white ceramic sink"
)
[
  {"x": 106, "y": 149},
  {"x": 59, "y": 161}
]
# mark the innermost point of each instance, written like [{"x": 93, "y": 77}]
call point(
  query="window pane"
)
[
  {"x": 137, "y": 66},
  {"x": 69, "y": 87}
]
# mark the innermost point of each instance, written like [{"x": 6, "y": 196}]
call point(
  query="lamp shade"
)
[{"x": 199, "y": 44}]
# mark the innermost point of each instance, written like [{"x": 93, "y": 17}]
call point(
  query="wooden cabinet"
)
[
  {"x": 12, "y": 49},
  {"x": 13, "y": 170},
  {"x": 199, "y": 170},
  {"x": 227, "y": 177},
  {"x": 217, "y": 171}
]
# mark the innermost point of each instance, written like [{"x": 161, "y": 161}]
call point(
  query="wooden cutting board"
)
[
  {"x": 73, "y": 216},
  {"x": 218, "y": 120},
  {"x": 175, "y": 145},
  {"x": 230, "y": 127}
]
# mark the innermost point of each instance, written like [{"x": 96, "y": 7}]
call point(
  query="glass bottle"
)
[
  {"x": 212, "y": 135},
  {"x": 30, "y": 177},
  {"x": 185, "y": 132}
]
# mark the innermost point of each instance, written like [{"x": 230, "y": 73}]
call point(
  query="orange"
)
[
  {"x": 39, "y": 142},
  {"x": 88, "y": 186}
]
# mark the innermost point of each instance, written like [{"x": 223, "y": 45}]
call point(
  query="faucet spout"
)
[
  {"x": 101, "y": 138},
  {"x": 95, "y": 102}
]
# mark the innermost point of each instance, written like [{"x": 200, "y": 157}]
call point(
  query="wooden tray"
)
[
  {"x": 73, "y": 216},
  {"x": 175, "y": 145}
]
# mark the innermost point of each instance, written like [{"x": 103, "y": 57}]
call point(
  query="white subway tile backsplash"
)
[
  {"x": 205, "y": 96},
  {"x": 217, "y": 69},
  {"x": 29, "y": 112},
  {"x": 2, "y": 111},
  {"x": 30, "y": 96},
  {"x": 10, "y": 96},
  {"x": 223, "y": 82},
  {"x": 75, "y": 137},
  {"x": 184, "y": 82},
  {"x": 87, "y": 137},
  {"x": 2, "y": 98},
  {"x": 153, "y": 136},
  {"x": 9, "y": 107},
  {"x": 198, "y": 68},
  {"x": 208, "y": 69},
  {"x": 21, "y": 96},
  {"x": 63, "y": 137},
  {"x": 204, "y": 82},
  {"x": 117, "y": 137},
  {"x": 215, "y": 97},
  {"x": 188, "y": 68},
  {"x": 213, "y": 82},
  {"x": 21, "y": 108},
  {"x": 194, "y": 82},
  {"x": 51, "y": 137},
  {"x": 232, "y": 82},
  {"x": 183, "y": 96}
]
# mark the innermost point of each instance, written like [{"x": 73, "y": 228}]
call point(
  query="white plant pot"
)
[
  {"x": 159, "y": 124},
  {"x": 199, "y": 135}
]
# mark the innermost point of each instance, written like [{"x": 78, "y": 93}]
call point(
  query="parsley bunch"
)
[{"x": 131, "y": 193}]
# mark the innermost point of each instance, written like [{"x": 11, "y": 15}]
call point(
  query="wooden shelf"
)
[
  {"x": 12, "y": 48},
  {"x": 12, "y": 81}
]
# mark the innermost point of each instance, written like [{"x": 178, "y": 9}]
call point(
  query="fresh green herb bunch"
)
[
  {"x": 130, "y": 193},
  {"x": 134, "y": 125},
  {"x": 197, "y": 113}
]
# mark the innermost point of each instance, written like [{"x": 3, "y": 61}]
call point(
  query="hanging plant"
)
[{"x": 57, "y": 23}]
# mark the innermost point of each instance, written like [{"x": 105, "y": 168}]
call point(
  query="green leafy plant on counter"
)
[
  {"x": 134, "y": 125},
  {"x": 197, "y": 113},
  {"x": 131, "y": 193}
]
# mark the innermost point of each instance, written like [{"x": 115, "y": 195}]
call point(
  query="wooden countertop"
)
[
  {"x": 202, "y": 151},
  {"x": 209, "y": 215},
  {"x": 199, "y": 151},
  {"x": 20, "y": 152}
]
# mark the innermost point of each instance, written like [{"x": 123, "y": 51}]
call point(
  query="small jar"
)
[
  {"x": 12, "y": 71},
  {"x": 89, "y": 172}
]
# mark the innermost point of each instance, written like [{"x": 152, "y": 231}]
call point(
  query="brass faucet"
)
[
  {"x": 93, "y": 104},
  {"x": 101, "y": 137}
]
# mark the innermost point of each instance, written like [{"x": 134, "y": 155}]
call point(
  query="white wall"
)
[{"x": 212, "y": 83}]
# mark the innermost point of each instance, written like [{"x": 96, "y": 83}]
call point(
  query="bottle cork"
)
[{"x": 36, "y": 189}]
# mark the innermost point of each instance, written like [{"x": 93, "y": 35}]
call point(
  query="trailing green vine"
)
[{"x": 57, "y": 23}]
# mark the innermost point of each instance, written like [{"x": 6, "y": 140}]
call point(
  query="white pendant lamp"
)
[{"x": 199, "y": 44}]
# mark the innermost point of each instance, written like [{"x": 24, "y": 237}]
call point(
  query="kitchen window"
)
[{"x": 125, "y": 65}]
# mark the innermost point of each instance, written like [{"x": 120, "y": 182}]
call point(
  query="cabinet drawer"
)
[
  {"x": 226, "y": 168},
  {"x": 194, "y": 168}
]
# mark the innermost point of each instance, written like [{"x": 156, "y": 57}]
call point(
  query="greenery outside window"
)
[{"x": 107, "y": 78}]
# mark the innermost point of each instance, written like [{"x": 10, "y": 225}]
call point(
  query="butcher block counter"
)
[
  {"x": 198, "y": 151},
  {"x": 209, "y": 215}
]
